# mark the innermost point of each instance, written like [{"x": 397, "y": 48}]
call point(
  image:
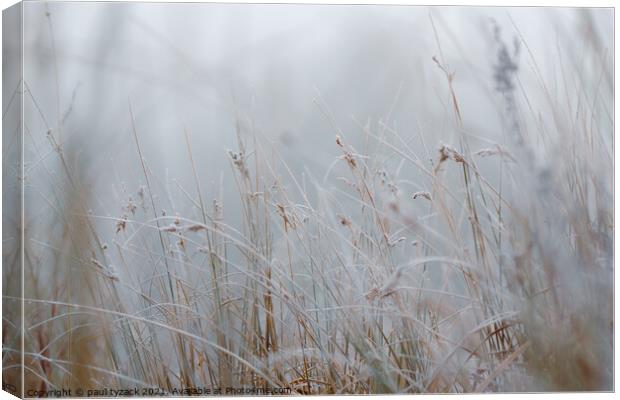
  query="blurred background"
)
[{"x": 280, "y": 69}]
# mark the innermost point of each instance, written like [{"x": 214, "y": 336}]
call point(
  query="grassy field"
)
[{"x": 412, "y": 263}]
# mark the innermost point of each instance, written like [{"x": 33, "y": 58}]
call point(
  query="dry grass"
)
[{"x": 491, "y": 273}]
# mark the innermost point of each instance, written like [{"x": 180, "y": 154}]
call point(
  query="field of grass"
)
[{"x": 412, "y": 263}]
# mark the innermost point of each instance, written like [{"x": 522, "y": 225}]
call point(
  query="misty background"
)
[{"x": 281, "y": 70}]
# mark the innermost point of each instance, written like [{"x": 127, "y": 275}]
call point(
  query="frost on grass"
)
[{"x": 443, "y": 255}]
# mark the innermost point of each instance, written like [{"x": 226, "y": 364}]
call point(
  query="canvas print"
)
[{"x": 276, "y": 199}]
